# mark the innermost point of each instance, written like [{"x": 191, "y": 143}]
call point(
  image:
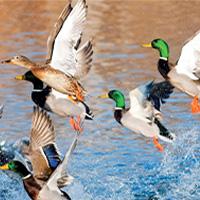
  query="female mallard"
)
[
  {"x": 48, "y": 99},
  {"x": 186, "y": 74},
  {"x": 66, "y": 65},
  {"x": 49, "y": 172},
  {"x": 144, "y": 112},
  {"x": 64, "y": 61}
]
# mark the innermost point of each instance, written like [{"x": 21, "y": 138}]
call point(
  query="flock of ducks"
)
[{"x": 57, "y": 88}]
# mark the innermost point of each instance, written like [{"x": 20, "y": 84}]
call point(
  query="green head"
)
[
  {"x": 161, "y": 46},
  {"x": 17, "y": 167},
  {"x": 118, "y": 97}
]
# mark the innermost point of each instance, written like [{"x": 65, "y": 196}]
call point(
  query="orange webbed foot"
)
[
  {"x": 76, "y": 124},
  {"x": 157, "y": 144},
  {"x": 195, "y": 107}
]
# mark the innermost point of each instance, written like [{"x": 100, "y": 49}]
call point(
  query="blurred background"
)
[{"x": 110, "y": 161}]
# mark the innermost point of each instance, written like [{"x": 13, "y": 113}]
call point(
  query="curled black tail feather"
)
[{"x": 89, "y": 113}]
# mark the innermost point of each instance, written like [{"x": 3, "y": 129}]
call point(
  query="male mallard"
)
[
  {"x": 144, "y": 112},
  {"x": 185, "y": 75},
  {"x": 66, "y": 64},
  {"x": 47, "y": 99},
  {"x": 49, "y": 173},
  {"x": 60, "y": 70}
]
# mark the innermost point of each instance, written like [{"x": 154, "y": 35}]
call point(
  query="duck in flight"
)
[
  {"x": 185, "y": 74},
  {"x": 66, "y": 65},
  {"x": 144, "y": 114},
  {"x": 49, "y": 172}
]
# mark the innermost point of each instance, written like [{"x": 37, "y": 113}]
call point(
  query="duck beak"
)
[
  {"x": 4, "y": 167},
  {"x": 147, "y": 45},
  {"x": 20, "y": 77},
  {"x": 104, "y": 96},
  {"x": 6, "y": 61}
]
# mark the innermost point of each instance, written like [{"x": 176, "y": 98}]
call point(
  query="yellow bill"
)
[
  {"x": 147, "y": 45},
  {"x": 4, "y": 167},
  {"x": 104, "y": 96},
  {"x": 20, "y": 77}
]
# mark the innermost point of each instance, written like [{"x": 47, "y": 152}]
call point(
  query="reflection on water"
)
[{"x": 110, "y": 162}]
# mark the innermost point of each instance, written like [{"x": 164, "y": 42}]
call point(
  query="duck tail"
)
[
  {"x": 165, "y": 135},
  {"x": 88, "y": 113}
]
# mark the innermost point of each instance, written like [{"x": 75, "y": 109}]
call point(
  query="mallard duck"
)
[
  {"x": 66, "y": 64},
  {"x": 60, "y": 71},
  {"x": 185, "y": 75},
  {"x": 47, "y": 99},
  {"x": 144, "y": 113},
  {"x": 49, "y": 173}
]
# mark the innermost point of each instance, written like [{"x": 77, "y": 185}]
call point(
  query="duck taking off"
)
[
  {"x": 144, "y": 114},
  {"x": 48, "y": 173},
  {"x": 66, "y": 65},
  {"x": 56, "y": 73},
  {"x": 185, "y": 75}
]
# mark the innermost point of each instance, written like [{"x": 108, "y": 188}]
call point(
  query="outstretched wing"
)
[
  {"x": 43, "y": 151},
  {"x": 159, "y": 92},
  {"x": 61, "y": 171},
  {"x": 148, "y": 97},
  {"x": 57, "y": 27},
  {"x": 83, "y": 57},
  {"x": 140, "y": 106},
  {"x": 189, "y": 61},
  {"x": 64, "y": 49}
]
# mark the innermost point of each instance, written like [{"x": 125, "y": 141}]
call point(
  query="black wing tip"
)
[
  {"x": 164, "y": 131},
  {"x": 160, "y": 92}
]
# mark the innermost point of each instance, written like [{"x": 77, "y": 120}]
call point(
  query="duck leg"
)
[
  {"x": 195, "y": 105},
  {"x": 157, "y": 144},
  {"x": 76, "y": 124}
]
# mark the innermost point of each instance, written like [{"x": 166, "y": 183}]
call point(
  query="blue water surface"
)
[{"x": 110, "y": 162}]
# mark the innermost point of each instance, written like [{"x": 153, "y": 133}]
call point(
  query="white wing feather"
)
[
  {"x": 189, "y": 61},
  {"x": 63, "y": 57},
  {"x": 61, "y": 170},
  {"x": 135, "y": 100},
  {"x": 140, "y": 107}
]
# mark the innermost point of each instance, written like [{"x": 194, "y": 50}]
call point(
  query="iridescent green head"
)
[
  {"x": 161, "y": 46},
  {"x": 17, "y": 167},
  {"x": 118, "y": 97}
]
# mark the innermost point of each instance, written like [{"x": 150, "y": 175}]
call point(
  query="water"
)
[{"x": 110, "y": 162}]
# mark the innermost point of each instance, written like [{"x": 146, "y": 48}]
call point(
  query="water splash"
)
[
  {"x": 11, "y": 187},
  {"x": 178, "y": 175}
]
